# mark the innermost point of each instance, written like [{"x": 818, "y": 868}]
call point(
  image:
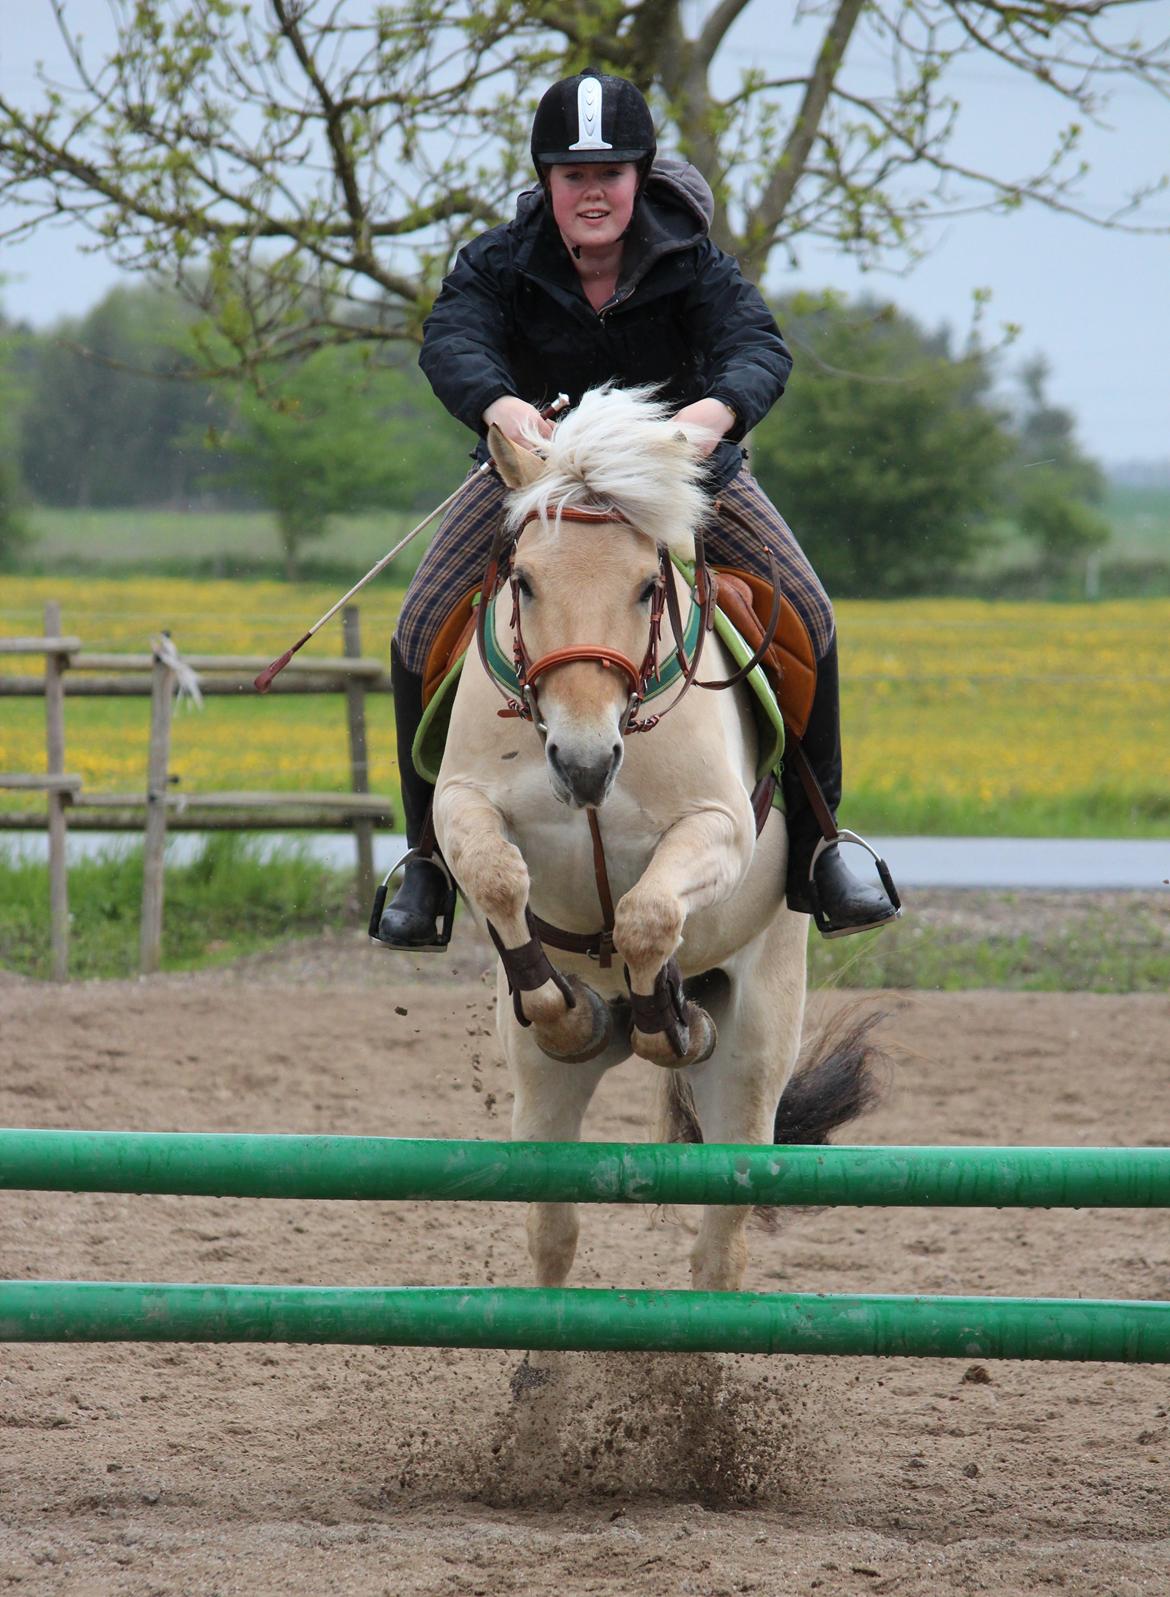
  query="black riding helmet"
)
[{"x": 593, "y": 118}]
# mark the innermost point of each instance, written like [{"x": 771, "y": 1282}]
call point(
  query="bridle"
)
[{"x": 644, "y": 680}]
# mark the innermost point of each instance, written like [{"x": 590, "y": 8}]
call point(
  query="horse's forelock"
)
[{"x": 620, "y": 450}]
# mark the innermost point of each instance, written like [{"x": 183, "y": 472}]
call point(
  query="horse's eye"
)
[
  {"x": 523, "y": 585},
  {"x": 648, "y": 591}
]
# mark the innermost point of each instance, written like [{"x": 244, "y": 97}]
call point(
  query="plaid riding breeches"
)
[{"x": 458, "y": 554}]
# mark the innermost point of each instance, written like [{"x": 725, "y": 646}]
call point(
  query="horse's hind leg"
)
[
  {"x": 737, "y": 1090},
  {"x": 551, "y": 1100}
]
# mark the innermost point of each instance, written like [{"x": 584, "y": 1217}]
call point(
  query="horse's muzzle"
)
[{"x": 582, "y": 782}]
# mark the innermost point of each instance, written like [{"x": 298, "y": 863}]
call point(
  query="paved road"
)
[
  {"x": 1028, "y": 862},
  {"x": 963, "y": 862}
]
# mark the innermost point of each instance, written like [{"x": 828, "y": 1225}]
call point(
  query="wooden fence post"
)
[
  {"x": 162, "y": 685},
  {"x": 55, "y": 752},
  {"x": 359, "y": 763}
]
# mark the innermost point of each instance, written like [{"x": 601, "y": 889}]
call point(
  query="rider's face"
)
[{"x": 592, "y": 203}]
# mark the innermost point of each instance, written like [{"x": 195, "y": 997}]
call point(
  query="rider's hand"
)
[
  {"x": 713, "y": 416},
  {"x": 517, "y": 419}
]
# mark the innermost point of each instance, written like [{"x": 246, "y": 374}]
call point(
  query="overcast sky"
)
[{"x": 1095, "y": 303}]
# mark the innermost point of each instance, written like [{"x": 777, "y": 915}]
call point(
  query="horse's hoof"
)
[
  {"x": 699, "y": 1039},
  {"x": 601, "y": 1017},
  {"x": 704, "y": 1036}
]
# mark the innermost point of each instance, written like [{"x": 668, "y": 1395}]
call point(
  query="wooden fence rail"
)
[{"x": 71, "y": 671}]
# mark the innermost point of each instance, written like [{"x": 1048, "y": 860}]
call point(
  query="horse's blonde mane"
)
[{"x": 621, "y": 450}]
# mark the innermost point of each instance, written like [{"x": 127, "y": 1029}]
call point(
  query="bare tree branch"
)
[
  {"x": 717, "y": 27},
  {"x": 768, "y": 212},
  {"x": 306, "y": 173}
]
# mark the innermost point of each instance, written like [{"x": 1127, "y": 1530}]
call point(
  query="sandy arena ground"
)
[{"x": 188, "y": 1471}]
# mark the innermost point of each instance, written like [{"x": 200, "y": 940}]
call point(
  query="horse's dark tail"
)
[{"x": 840, "y": 1078}]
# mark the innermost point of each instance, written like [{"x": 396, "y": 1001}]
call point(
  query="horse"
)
[{"x": 709, "y": 977}]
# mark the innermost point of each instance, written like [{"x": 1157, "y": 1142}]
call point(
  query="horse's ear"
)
[{"x": 518, "y": 467}]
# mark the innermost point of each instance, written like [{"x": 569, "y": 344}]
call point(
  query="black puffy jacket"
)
[{"x": 512, "y": 317}]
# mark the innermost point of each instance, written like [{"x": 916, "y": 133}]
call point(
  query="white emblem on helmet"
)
[{"x": 589, "y": 117}]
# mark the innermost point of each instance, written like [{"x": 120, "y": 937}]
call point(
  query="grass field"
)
[
  {"x": 245, "y": 543},
  {"x": 226, "y": 544},
  {"x": 960, "y": 717},
  {"x": 226, "y": 903}
]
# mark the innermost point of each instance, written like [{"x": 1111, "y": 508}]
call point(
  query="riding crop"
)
[{"x": 270, "y": 672}]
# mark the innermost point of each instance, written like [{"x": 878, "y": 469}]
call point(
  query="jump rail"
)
[
  {"x": 583, "y": 1319},
  {"x": 239, "y": 1165}
]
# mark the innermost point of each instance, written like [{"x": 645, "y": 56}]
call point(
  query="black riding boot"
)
[
  {"x": 839, "y": 901},
  {"x": 409, "y": 920}
]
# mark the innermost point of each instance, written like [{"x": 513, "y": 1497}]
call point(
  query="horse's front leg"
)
[
  {"x": 570, "y": 1021},
  {"x": 699, "y": 861}
]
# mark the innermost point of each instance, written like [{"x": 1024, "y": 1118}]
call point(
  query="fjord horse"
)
[{"x": 596, "y": 522}]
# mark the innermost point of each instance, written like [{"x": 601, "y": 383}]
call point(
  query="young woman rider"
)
[{"x": 607, "y": 273}]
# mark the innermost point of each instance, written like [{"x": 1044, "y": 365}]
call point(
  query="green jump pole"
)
[
  {"x": 250, "y": 1166},
  {"x": 588, "y": 1320}
]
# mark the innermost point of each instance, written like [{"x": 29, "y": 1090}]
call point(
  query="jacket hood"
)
[{"x": 672, "y": 177}]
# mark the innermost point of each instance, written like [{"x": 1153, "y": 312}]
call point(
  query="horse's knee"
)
[
  {"x": 648, "y": 926},
  {"x": 498, "y": 882}
]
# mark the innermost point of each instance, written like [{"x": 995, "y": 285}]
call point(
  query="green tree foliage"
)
[
  {"x": 336, "y": 433},
  {"x": 13, "y": 528},
  {"x": 1054, "y": 488},
  {"x": 887, "y": 452},
  {"x": 304, "y": 166},
  {"x": 1062, "y": 530},
  {"x": 115, "y": 412}
]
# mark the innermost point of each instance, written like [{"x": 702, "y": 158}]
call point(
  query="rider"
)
[{"x": 607, "y": 273}]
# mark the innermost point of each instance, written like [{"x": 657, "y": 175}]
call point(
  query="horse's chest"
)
[{"x": 558, "y": 850}]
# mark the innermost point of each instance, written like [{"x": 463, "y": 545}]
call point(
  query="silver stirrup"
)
[
  {"x": 820, "y": 919},
  {"x": 447, "y": 919}
]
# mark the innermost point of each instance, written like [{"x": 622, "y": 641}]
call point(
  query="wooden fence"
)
[{"x": 71, "y": 671}]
